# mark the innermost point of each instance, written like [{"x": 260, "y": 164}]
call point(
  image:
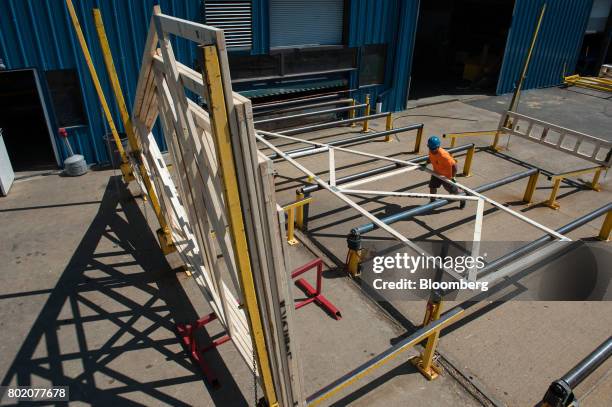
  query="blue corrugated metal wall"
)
[
  {"x": 558, "y": 45},
  {"x": 391, "y": 22},
  {"x": 39, "y": 34}
]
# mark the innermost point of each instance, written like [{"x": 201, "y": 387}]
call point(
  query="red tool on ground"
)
[{"x": 314, "y": 295}]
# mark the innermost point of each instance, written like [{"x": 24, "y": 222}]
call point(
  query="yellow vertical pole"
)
[
  {"x": 552, "y": 200},
  {"x": 125, "y": 167},
  {"x": 291, "y": 227},
  {"x": 531, "y": 187},
  {"x": 220, "y": 126},
  {"x": 367, "y": 113},
  {"x": 299, "y": 217},
  {"x": 164, "y": 234},
  {"x": 425, "y": 362},
  {"x": 495, "y": 145},
  {"x": 467, "y": 165},
  {"x": 417, "y": 142},
  {"x": 389, "y": 126},
  {"x": 453, "y": 141},
  {"x": 595, "y": 183},
  {"x": 604, "y": 233},
  {"x": 352, "y": 112}
]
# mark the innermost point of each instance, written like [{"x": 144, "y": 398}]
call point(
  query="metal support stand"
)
[
  {"x": 314, "y": 295},
  {"x": 425, "y": 363},
  {"x": 467, "y": 165},
  {"x": 604, "y": 233},
  {"x": 531, "y": 187},
  {"x": 417, "y": 142},
  {"x": 389, "y": 126},
  {"x": 291, "y": 210},
  {"x": 367, "y": 113},
  {"x": 187, "y": 334}
]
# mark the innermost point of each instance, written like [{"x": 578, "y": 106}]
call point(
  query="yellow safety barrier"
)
[
  {"x": 367, "y": 113},
  {"x": 606, "y": 228},
  {"x": 592, "y": 82},
  {"x": 552, "y": 203},
  {"x": 291, "y": 210}
]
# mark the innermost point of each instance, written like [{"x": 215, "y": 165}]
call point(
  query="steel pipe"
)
[
  {"x": 322, "y": 126},
  {"x": 308, "y": 114},
  {"x": 375, "y": 171},
  {"x": 560, "y": 392},
  {"x": 311, "y": 106},
  {"x": 294, "y": 102},
  {"x": 531, "y": 246},
  {"x": 419, "y": 210},
  {"x": 301, "y": 152}
]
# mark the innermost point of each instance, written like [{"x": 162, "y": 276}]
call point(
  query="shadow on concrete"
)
[{"x": 117, "y": 290}]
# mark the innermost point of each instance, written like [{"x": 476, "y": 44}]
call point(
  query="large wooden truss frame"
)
[{"x": 218, "y": 199}]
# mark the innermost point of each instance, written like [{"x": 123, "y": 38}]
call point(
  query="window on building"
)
[
  {"x": 65, "y": 91},
  {"x": 235, "y": 18},
  {"x": 372, "y": 65},
  {"x": 306, "y": 22}
]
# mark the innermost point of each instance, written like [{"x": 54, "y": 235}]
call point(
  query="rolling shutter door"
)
[
  {"x": 234, "y": 18},
  {"x": 306, "y": 22}
]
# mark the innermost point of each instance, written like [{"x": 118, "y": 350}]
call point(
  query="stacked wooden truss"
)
[{"x": 218, "y": 199}]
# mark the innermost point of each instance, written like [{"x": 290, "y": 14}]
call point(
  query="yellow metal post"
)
[
  {"x": 367, "y": 113},
  {"x": 531, "y": 187},
  {"x": 352, "y": 112},
  {"x": 389, "y": 126},
  {"x": 467, "y": 165},
  {"x": 604, "y": 233},
  {"x": 453, "y": 141},
  {"x": 295, "y": 214},
  {"x": 126, "y": 169},
  {"x": 353, "y": 260},
  {"x": 220, "y": 125},
  {"x": 595, "y": 183},
  {"x": 552, "y": 200},
  {"x": 417, "y": 142},
  {"x": 163, "y": 233},
  {"x": 495, "y": 145},
  {"x": 291, "y": 227},
  {"x": 299, "y": 216},
  {"x": 425, "y": 362}
]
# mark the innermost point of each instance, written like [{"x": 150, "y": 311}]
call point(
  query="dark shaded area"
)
[
  {"x": 22, "y": 119},
  {"x": 101, "y": 290},
  {"x": 459, "y": 46}
]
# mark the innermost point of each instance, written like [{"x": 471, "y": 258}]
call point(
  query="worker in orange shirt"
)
[{"x": 443, "y": 164}]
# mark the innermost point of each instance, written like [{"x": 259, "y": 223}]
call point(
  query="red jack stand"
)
[
  {"x": 314, "y": 295},
  {"x": 187, "y": 334}
]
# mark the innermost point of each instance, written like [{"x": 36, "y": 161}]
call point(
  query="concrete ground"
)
[
  {"x": 88, "y": 300},
  {"x": 510, "y": 350},
  {"x": 586, "y": 110}
]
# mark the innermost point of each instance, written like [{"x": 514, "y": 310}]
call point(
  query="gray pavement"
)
[{"x": 586, "y": 110}]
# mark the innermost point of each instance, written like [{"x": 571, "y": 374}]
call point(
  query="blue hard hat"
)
[{"x": 433, "y": 143}]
